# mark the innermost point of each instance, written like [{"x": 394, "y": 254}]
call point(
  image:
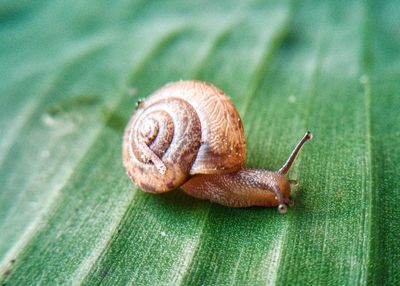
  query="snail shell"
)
[{"x": 184, "y": 128}]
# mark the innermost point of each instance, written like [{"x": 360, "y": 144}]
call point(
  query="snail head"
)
[{"x": 283, "y": 184}]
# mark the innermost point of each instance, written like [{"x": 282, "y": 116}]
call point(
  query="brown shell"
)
[{"x": 204, "y": 128}]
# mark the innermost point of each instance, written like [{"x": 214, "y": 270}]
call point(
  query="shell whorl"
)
[
  {"x": 185, "y": 128},
  {"x": 161, "y": 144}
]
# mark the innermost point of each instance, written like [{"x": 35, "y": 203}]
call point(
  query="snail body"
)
[{"x": 189, "y": 135}]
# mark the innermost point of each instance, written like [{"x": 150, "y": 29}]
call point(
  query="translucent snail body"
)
[{"x": 189, "y": 135}]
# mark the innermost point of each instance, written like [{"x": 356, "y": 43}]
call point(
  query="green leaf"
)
[{"x": 71, "y": 73}]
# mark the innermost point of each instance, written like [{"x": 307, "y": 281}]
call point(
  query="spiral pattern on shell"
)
[
  {"x": 185, "y": 128},
  {"x": 162, "y": 143}
]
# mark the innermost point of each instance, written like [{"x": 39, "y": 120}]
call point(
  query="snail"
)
[{"x": 189, "y": 135}]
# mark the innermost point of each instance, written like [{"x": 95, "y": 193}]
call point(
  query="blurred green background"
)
[{"x": 70, "y": 74}]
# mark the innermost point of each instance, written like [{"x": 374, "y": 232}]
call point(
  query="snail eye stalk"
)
[{"x": 286, "y": 167}]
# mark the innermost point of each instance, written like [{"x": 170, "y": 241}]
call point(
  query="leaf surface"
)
[{"x": 71, "y": 73}]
